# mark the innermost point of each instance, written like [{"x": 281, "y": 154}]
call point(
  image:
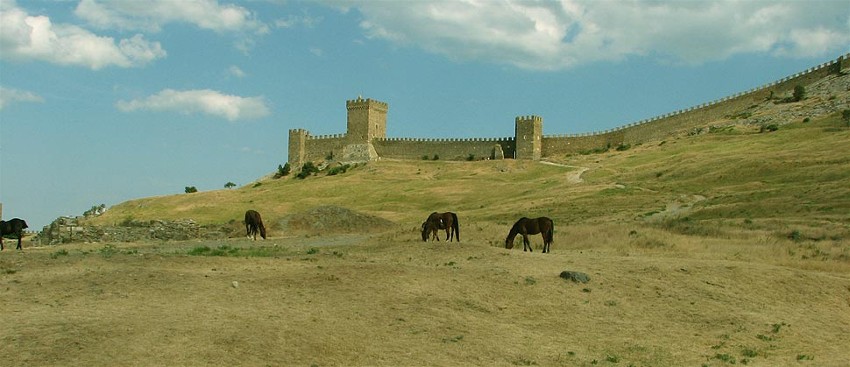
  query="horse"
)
[
  {"x": 437, "y": 221},
  {"x": 14, "y": 226},
  {"x": 525, "y": 226},
  {"x": 254, "y": 224}
]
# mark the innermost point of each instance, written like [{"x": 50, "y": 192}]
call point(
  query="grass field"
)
[{"x": 725, "y": 248}]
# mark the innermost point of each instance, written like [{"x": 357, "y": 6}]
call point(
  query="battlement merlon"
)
[
  {"x": 532, "y": 118},
  {"x": 360, "y": 102}
]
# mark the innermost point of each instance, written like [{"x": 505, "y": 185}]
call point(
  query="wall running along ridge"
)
[{"x": 366, "y": 137}]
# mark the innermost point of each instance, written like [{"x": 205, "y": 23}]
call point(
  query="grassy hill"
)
[
  {"x": 730, "y": 246},
  {"x": 730, "y": 179}
]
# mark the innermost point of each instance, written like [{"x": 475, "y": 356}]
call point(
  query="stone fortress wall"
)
[{"x": 366, "y": 136}]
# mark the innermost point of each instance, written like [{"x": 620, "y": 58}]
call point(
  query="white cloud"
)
[
  {"x": 204, "y": 101},
  {"x": 236, "y": 71},
  {"x": 24, "y": 38},
  {"x": 10, "y": 95},
  {"x": 151, "y": 15},
  {"x": 557, "y": 35}
]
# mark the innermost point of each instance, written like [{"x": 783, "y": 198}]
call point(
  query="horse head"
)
[{"x": 425, "y": 231}]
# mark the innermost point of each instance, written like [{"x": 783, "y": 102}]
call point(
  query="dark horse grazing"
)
[
  {"x": 13, "y": 226},
  {"x": 254, "y": 224},
  {"x": 526, "y": 226},
  {"x": 437, "y": 221}
]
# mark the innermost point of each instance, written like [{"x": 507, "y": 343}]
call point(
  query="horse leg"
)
[
  {"x": 1, "y": 242},
  {"x": 19, "y": 242},
  {"x": 525, "y": 243}
]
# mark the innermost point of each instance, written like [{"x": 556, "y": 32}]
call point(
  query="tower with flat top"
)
[
  {"x": 367, "y": 121},
  {"x": 529, "y": 137}
]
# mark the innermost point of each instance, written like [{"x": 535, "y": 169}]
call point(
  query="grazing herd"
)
[
  {"x": 445, "y": 221},
  {"x": 430, "y": 229}
]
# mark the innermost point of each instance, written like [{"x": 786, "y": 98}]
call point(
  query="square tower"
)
[
  {"x": 367, "y": 120},
  {"x": 529, "y": 137}
]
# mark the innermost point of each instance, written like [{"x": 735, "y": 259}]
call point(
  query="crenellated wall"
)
[
  {"x": 445, "y": 149},
  {"x": 366, "y": 135}
]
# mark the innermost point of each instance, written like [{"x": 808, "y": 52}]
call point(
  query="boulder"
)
[{"x": 575, "y": 276}]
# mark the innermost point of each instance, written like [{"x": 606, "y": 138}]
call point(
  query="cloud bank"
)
[
  {"x": 204, "y": 101},
  {"x": 559, "y": 35}
]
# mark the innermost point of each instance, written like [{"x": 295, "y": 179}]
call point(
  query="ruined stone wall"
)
[
  {"x": 445, "y": 149},
  {"x": 72, "y": 229}
]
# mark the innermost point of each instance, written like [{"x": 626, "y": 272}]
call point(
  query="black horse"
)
[
  {"x": 526, "y": 226},
  {"x": 254, "y": 224},
  {"x": 14, "y": 226},
  {"x": 437, "y": 221}
]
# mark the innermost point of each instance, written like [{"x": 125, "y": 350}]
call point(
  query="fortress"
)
[{"x": 366, "y": 137}]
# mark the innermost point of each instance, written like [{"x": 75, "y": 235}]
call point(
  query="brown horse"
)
[
  {"x": 437, "y": 221},
  {"x": 525, "y": 226},
  {"x": 14, "y": 226},
  {"x": 254, "y": 224}
]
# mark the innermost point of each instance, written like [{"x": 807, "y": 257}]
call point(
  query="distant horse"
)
[
  {"x": 14, "y": 226},
  {"x": 254, "y": 224},
  {"x": 437, "y": 221},
  {"x": 526, "y": 226}
]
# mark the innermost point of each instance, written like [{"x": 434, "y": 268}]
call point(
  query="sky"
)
[{"x": 106, "y": 101}]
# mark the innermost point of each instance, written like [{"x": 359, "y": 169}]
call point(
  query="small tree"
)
[
  {"x": 799, "y": 93},
  {"x": 283, "y": 170},
  {"x": 190, "y": 189},
  {"x": 845, "y": 115},
  {"x": 229, "y": 185}
]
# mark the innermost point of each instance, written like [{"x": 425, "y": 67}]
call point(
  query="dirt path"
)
[{"x": 573, "y": 176}]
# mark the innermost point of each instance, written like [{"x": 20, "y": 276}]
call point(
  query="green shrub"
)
[
  {"x": 306, "y": 170},
  {"x": 190, "y": 189},
  {"x": 799, "y": 93},
  {"x": 338, "y": 169}
]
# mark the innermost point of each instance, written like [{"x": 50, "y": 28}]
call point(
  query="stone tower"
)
[
  {"x": 297, "y": 148},
  {"x": 529, "y": 137},
  {"x": 367, "y": 120}
]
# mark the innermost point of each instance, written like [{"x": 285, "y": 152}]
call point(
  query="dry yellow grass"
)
[{"x": 390, "y": 299}]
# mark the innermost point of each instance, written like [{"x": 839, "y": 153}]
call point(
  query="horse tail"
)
[
  {"x": 456, "y": 226},
  {"x": 551, "y": 232}
]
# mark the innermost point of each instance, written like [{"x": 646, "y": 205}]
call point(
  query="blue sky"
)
[{"x": 106, "y": 101}]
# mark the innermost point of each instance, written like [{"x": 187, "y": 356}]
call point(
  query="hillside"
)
[
  {"x": 731, "y": 178},
  {"x": 725, "y": 245}
]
